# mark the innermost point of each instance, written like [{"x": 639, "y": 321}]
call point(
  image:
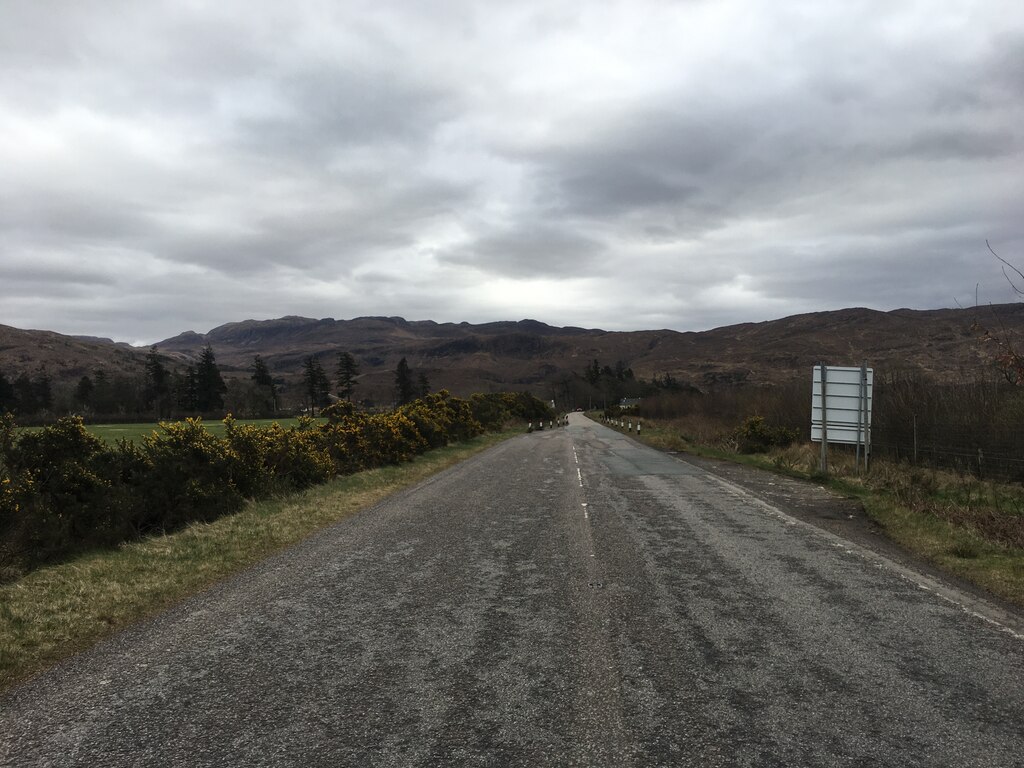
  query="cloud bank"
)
[{"x": 172, "y": 166}]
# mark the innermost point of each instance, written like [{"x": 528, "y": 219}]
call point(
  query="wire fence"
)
[
  {"x": 973, "y": 426},
  {"x": 996, "y": 454}
]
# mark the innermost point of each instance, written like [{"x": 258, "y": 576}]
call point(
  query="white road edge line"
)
[
  {"x": 580, "y": 476},
  {"x": 973, "y": 606}
]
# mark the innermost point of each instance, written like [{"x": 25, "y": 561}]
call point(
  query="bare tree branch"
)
[
  {"x": 1006, "y": 264},
  {"x": 1007, "y": 356}
]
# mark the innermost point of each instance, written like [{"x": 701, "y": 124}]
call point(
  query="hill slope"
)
[{"x": 493, "y": 356}]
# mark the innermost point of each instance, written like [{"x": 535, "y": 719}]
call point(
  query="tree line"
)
[
  {"x": 604, "y": 385},
  {"x": 161, "y": 391},
  {"x": 158, "y": 392},
  {"x": 316, "y": 385}
]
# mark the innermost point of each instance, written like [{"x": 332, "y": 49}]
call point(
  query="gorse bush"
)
[
  {"x": 61, "y": 487},
  {"x": 192, "y": 476},
  {"x": 272, "y": 459},
  {"x": 494, "y": 409},
  {"x": 756, "y": 435},
  {"x": 63, "y": 490}
]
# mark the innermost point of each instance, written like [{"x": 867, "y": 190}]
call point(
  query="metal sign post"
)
[
  {"x": 863, "y": 436},
  {"x": 823, "y": 460}
]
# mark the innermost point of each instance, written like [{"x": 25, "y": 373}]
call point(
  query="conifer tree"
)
[
  {"x": 261, "y": 377},
  {"x": 83, "y": 391},
  {"x": 157, "y": 387},
  {"x": 316, "y": 384},
  {"x": 210, "y": 387},
  {"x": 405, "y": 389},
  {"x": 103, "y": 400},
  {"x": 7, "y": 398},
  {"x": 346, "y": 374},
  {"x": 188, "y": 390}
]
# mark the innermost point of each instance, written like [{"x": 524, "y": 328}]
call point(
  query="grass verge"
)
[
  {"x": 967, "y": 527},
  {"x": 54, "y": 612}
]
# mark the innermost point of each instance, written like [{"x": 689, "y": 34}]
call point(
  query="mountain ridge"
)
[{"x": 528, "y": 353}]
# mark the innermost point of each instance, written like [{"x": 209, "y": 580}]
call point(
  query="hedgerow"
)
[{"x": 64, "y": 491}]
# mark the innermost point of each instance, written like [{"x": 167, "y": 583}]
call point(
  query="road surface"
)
[{"x": 567, "y": 598}]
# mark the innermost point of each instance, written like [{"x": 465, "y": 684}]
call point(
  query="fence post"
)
[{"x": 915, "y": 439}]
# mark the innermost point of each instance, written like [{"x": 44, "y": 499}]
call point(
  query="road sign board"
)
[{"x": 848, "y": 392}]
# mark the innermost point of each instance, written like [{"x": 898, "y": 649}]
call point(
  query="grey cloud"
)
[
  {"x": 645, "y": 162},
  {"x": 72, "y": 274},
  {"x": 1001, "y": 74},
  {"x": 48, "y": 216},
  {"x": 338, "y": 110},
  {"x": 331, "y": 236},
  {"x": 530, "y": 250},
  {"x": 964, "y": 144},
  {"x": 606, "y": 187},
  {"x": 916, "y": 268}
]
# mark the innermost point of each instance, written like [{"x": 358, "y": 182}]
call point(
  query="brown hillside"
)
[
  {"x": 65, "y": 358},
  {"x": 529, "y": 354}
]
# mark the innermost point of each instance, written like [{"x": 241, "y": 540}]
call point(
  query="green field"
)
[{"x": 111, "y": 433}]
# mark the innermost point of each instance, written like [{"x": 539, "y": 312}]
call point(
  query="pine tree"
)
[
  {"x": 423, "y": 385},
  {"x": 25, "y": 395},
  {"x": 405, "y": 389},
  {"x": 261, "y": 378},
  {"x": 188, "y": 390},
  {"x": 43, "y": 390},
  {"x": 102, "y": 393},
  {"x": 210, "y": 387},
  {"x": 157, "y": 388},
  {"x": 316, "y": 384},
  {"x": 83, "y": 391},
  {"x": 7, "y": 397},
  {"x": 346, "y": 374}
]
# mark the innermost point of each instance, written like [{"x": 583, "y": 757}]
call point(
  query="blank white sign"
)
[{"x": 842, "y": 388}]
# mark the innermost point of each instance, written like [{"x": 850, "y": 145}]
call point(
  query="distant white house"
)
[{"x": 629, "y": 402}]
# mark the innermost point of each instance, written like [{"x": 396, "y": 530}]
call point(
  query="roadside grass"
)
[
  {"x": 55, "y": 612},
  {"x": 971, "y": 528}
]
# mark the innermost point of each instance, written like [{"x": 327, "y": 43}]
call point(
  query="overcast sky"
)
[{"x": 167, "y": 166}]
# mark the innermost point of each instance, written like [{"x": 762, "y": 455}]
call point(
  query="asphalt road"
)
[{"x": 566, "y": 598}]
